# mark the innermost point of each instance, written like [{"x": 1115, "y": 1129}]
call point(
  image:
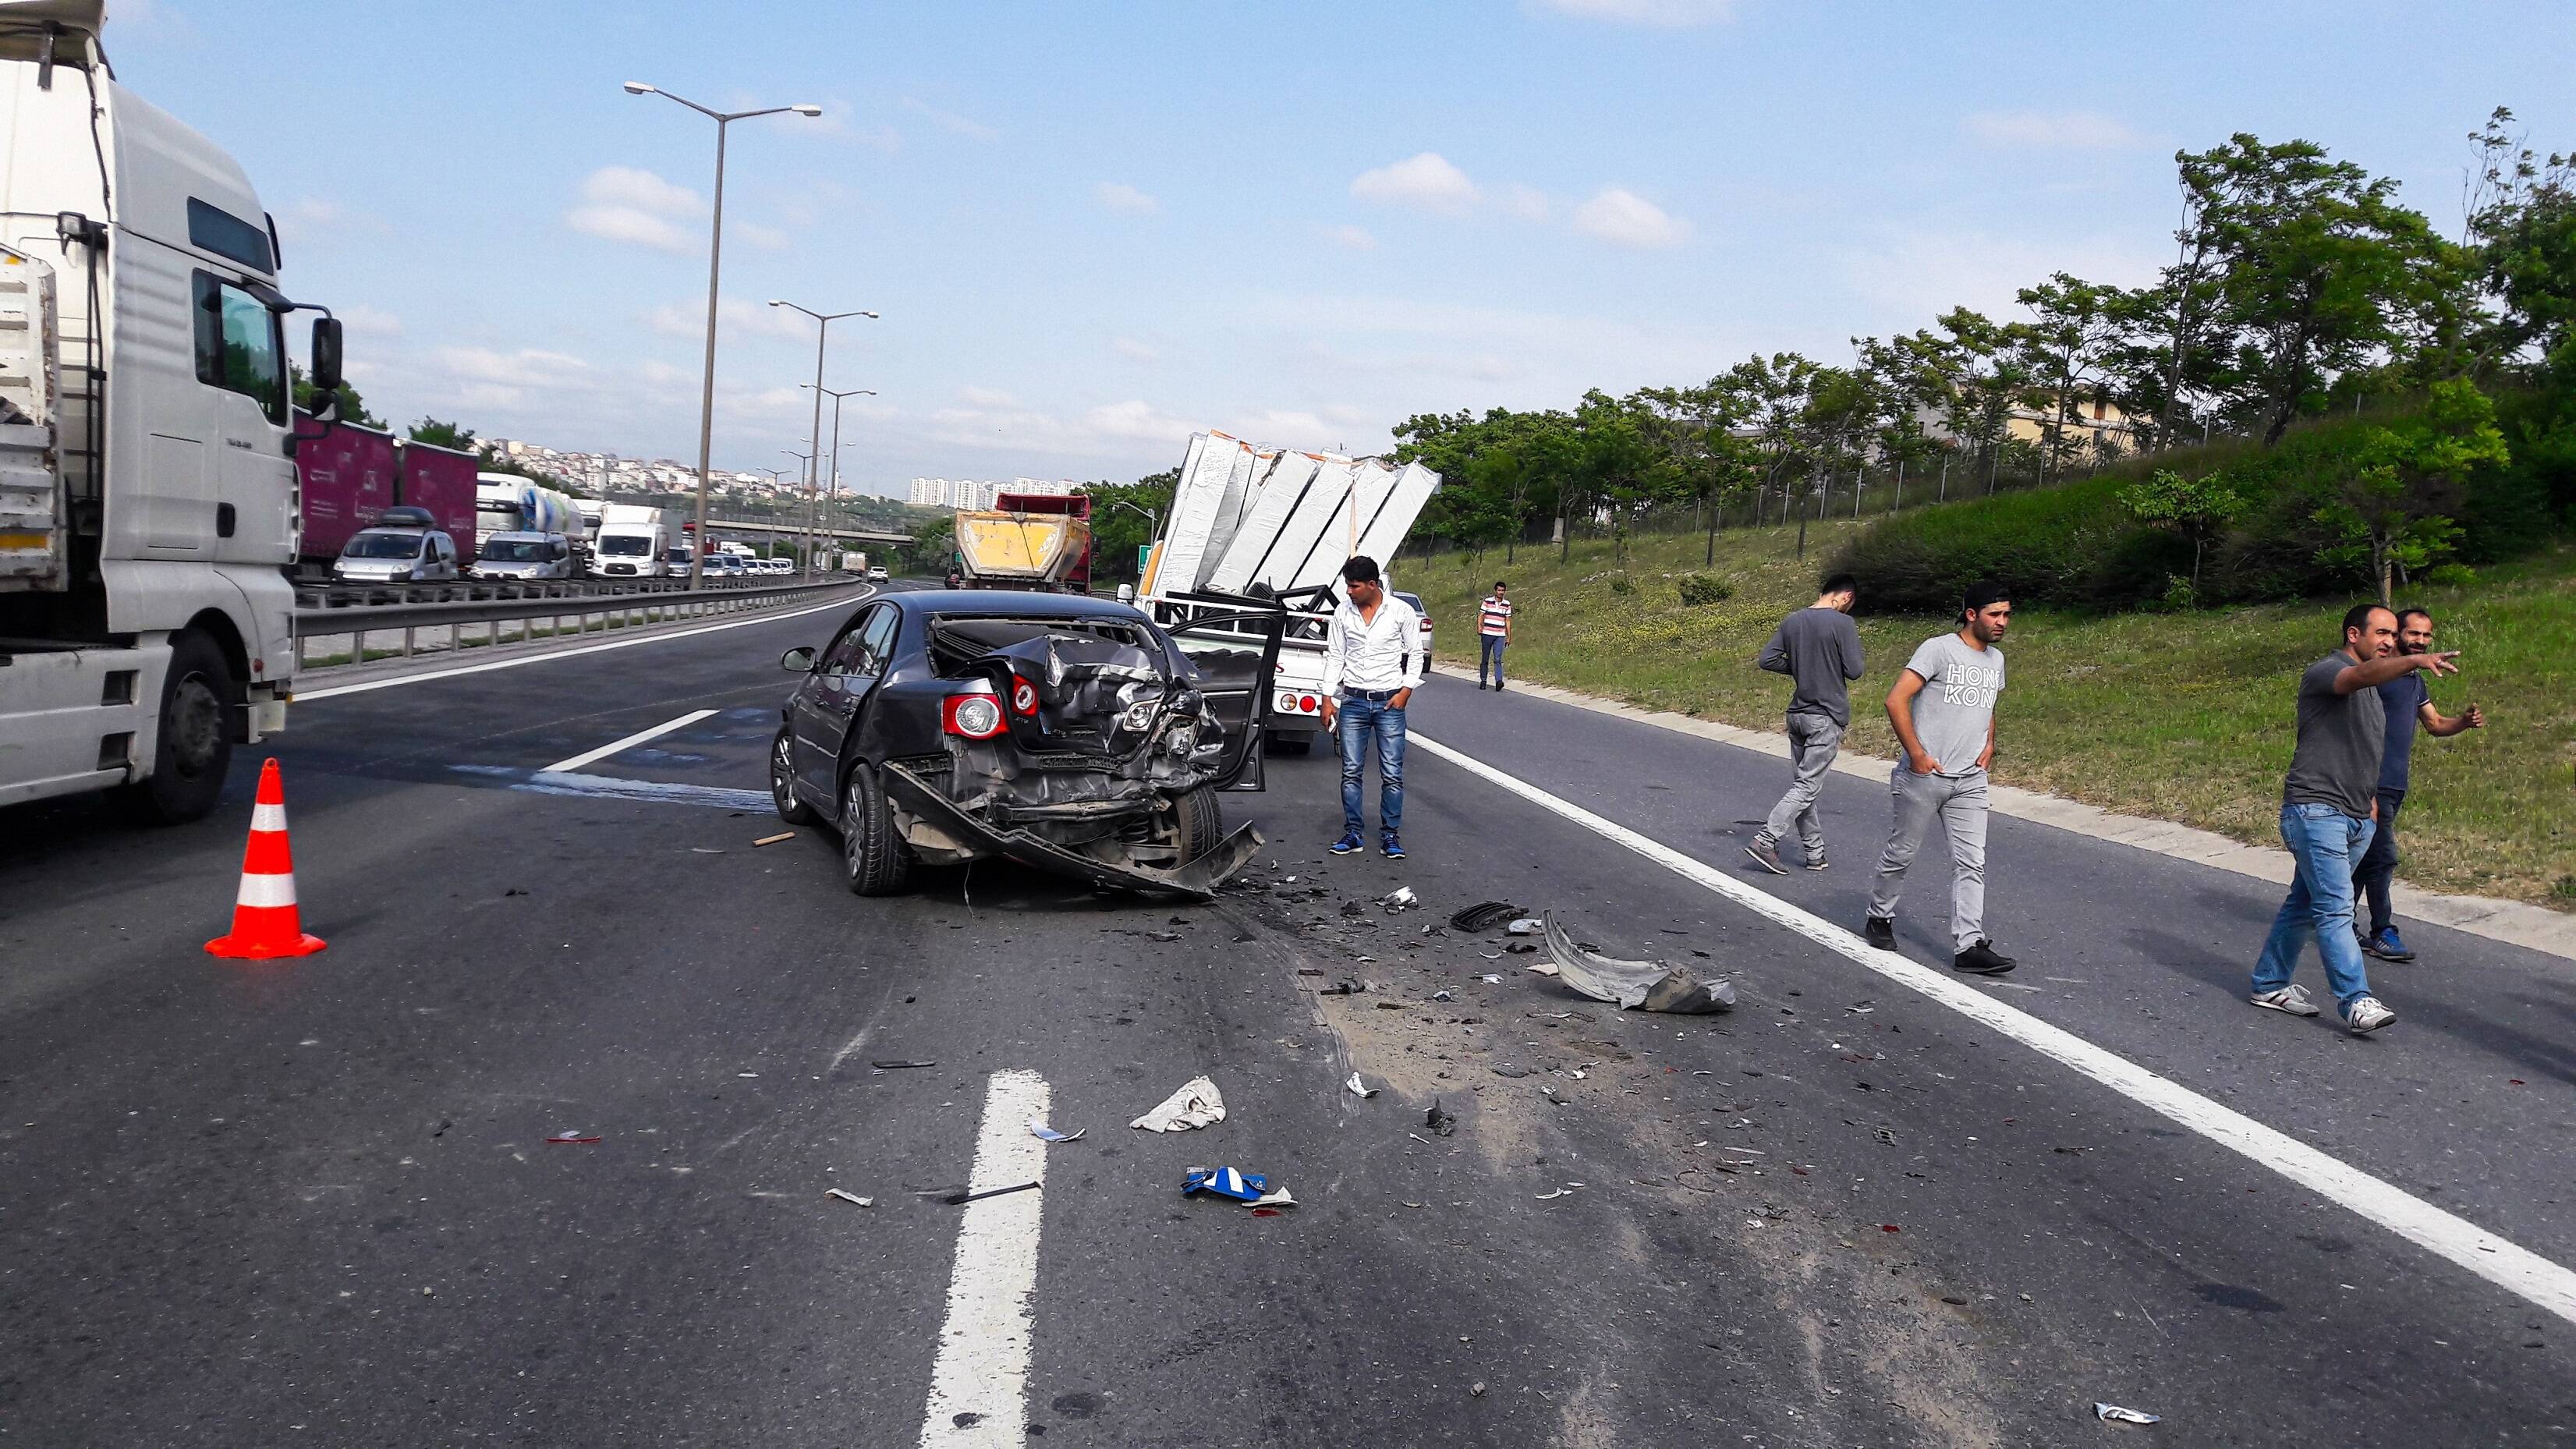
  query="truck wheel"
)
[
  {"x": 195, "y": 748},
  {"x": 873, "y": 857},
  {"x": 1301, "y": 742},
  {"x": 1200, "y": 822},
  {"x": 782, "y": 781}
]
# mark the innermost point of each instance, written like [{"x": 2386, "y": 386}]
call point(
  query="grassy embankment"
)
[{"x": 2185, "y": 717}]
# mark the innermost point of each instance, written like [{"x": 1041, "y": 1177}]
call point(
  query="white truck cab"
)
[{"x": 148, "y": 495}]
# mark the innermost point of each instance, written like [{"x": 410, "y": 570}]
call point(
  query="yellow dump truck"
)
[{"x": 1035, "y": 542}]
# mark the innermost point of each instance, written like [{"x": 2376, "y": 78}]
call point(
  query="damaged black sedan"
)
[{"x": 1067, "y": 733}]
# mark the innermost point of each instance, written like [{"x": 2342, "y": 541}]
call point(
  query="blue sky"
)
[{"x": 1093, "y": 229}]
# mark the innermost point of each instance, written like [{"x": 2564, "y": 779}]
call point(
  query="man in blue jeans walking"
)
[
  {"x": 1372, "y": 664},
  {"x": 2328, "y": 808}
]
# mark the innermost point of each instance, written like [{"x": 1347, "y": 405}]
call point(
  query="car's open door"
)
[{"x": 1233, "y": 639}]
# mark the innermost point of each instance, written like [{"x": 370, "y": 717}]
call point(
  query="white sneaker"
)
[
  {"x": 2366, "y": 1015},
  {"x": 2292, "y": 999}
]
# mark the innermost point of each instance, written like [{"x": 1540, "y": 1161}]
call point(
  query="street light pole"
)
[
  {"x": 715, "y": 272},
  {"x": 819, "y": 392},
  {"x": 822, "y": 330},
  {"x": 805, "y": 458}
]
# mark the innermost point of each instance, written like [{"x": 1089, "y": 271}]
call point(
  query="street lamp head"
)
[
  {"x": 807, "y": 110},
  {"x": 871, "y": 316},
  {"x": 774, "y": 302},
  {"x": 639, "y": 88}
]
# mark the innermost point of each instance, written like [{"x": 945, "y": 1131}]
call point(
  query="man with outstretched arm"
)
[
  {"x": 1372, "y": 664},
  {"x": 1819, "y": 647},
  {"x": 2409, "y": 704},
  {"x": 1943, "y": 708},
  {"x": 2328, "y": 805}
]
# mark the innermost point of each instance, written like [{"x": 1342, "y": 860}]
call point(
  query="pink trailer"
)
[
  {"x": 347, "y": 476},
  {"x": 442, "y": 481}
]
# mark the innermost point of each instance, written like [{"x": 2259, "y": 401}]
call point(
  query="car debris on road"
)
[
  {"x": 2113, "y": 1413},
  {"x": 849, "y": 1197},
  {"x": 1252, "y": 1189},
  {"x": 1633, "y": 985},
  {"x": 1359, "y": 1088},
  {"x": 1484, "y": 917},
  {"x": 1196, "y": 1104},
  {"x": 1044, "y": 1133}
]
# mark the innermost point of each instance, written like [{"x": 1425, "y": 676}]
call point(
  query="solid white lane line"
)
[
  {"x": 981, "y": 1373},
  {"x": 563, "y": 767},
  {"x": 2516, "y": 1269},
  {"x": 306, "y": 695}
]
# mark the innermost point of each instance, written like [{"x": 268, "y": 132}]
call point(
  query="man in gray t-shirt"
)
[
  {"x": 1818, "y": 647},
  {"x": 1943, "y": 708},
  {"x": 2329, "y": 813}
]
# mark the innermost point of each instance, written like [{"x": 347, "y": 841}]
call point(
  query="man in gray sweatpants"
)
[
  {"x": 1818, "y": 647},
  {"x": 1943, "y": 709}
]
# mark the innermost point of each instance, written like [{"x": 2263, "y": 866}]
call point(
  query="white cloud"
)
[
  {"x": 1919, "y": 274},
  {"x": 1669, "y": 14},
  {"x": 689, "y": 319},
  {"x": 1134, "y": 350},
  {"x": 1623, "y": 218},
  {"x": 632, "y": 205},
  {"x": 987, "y": 397},
  {"x": 1427, "y": 181},
  {"x": 368, "y": 321},
  {"x": 950, "y": 120},
  {"x": 1527, "y": 202},
  {"x": 766, "y": 238},
  {"x": 662, "y": 374},
  {"x": 1119, "y": 196},
  {"x": 1136, "y": 419},
  {"x": 2050, "y": 130},
  {"x": 1355, "y": 238},
  {"x": 636, "y": 187}
]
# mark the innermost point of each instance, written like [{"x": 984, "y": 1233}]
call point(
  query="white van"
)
[
  {"x": 401, "y": 548},
  {"x": 525, "y": 556}
]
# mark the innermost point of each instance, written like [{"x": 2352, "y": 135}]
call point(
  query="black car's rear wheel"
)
[
  {"x": 782, "y": 780},
  {"x": 874, "y": 858}
]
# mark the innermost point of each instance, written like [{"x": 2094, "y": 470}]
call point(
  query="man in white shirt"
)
[{"x": 1372, "y": 664}]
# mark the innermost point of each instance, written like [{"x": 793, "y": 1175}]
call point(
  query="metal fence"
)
[{"x": 451, "y": 626}]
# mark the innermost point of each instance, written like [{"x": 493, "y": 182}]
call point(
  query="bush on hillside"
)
[
  {"x": 2078, "y": 545},
  {"x": 1700, "y": 589}
]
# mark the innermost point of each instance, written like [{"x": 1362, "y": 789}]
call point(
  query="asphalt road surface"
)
[{"x": 321, "y": 1201}]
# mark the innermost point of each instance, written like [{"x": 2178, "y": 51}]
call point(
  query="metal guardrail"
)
[
  {"x": 570, "y": 615},
  {"x": 315, "y": 594}
]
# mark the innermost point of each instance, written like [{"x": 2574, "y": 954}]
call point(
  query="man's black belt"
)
[{"x": 1373, "y": 696}]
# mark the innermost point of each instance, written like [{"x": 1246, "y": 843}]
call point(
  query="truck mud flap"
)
[{"x": 1198, "y": 879}]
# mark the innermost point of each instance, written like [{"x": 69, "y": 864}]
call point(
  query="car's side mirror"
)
[{"x": 799, "y": 660}]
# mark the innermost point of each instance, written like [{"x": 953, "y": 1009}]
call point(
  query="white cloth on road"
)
[{"x": 1196, "y": 1104}]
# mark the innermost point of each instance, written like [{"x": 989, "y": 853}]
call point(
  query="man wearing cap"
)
[
  {"x": 1943, "y": 708},
  {"x": 1372, "y": 664}
]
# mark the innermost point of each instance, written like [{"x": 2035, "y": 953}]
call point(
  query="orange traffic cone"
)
[{"x": 265, "y": 923}]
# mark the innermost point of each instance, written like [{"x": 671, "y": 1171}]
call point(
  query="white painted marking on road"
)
[
  {"x": 2516, "y": 1269},
  {"x": 847, "y": 1047},
  {"x": 982, "y": 1369},
  {"x": 588, "y": 757},
  {"x": 306, "y": 696},
  {"x": 663, "y": 791}
]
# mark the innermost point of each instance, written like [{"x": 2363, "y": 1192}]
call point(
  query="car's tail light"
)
[
  {"x": 1024, "y": 696},
  {"x": 1287, "y": 701},
  {"x": 1307, "y": 703},
  {"x": 973, "y": 716}
]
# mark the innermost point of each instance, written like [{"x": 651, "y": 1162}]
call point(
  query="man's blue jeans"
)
[
  {"x": 2324, "y": 842},
  {"x": 1359, "y": 721},
  {"x": 1490, "y": 651}
]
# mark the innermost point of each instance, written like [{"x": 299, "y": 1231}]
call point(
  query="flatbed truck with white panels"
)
[{"x": 148, "y": 496}]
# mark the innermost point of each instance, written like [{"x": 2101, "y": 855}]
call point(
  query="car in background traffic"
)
[
  {"x": 723, "y": 566},
  {"x": 877, "y": 574},
  {"x": 1068, "y": 733},
  {"x": 400, "y": 547},
  {"x": 526, "y": 556},
  {"x": 1416, "y": 601}
]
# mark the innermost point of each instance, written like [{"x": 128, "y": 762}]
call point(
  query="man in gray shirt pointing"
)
[
  {"x": 1943, "y": 708},
  {"x": 1820, "y": 649}
]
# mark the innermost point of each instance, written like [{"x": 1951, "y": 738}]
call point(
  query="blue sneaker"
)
[
  {"x": 1393, "y": 847},
  {"x": 1349, "y": 842},
  {"x": 2387, "y": 945}
]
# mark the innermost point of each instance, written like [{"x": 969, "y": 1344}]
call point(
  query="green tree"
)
[
  {"x": 2065, "y": 350},
  {"x": 2394, "y": 510},
  {"x": 2320, "y": 269},
  {"x": 1118, "y": 530},
  {"x": 353, "y": 409},
  {"x": 2199, "y": 508}
]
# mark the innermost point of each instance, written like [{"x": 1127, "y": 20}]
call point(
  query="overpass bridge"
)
[{"x": 845, "y": 535}]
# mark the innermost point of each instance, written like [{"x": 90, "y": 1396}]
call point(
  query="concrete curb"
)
[{"x": 2512, "y": 922}]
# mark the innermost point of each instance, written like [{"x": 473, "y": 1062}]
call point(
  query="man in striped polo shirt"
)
[{"x": 1493, "y": 632}]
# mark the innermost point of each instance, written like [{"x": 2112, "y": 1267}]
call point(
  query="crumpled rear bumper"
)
[{"x": 1198, "y": 879}]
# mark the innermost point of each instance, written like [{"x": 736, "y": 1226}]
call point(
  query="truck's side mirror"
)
[
  {"x": 799, "y": 660},
  {"x": 327, "y": 376}
]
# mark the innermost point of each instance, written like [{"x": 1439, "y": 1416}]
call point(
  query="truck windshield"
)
[
  {"x": 514, "y": 550},
  {"x": 371, "y": 544},
  {"x": 626, "y": 545}
]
